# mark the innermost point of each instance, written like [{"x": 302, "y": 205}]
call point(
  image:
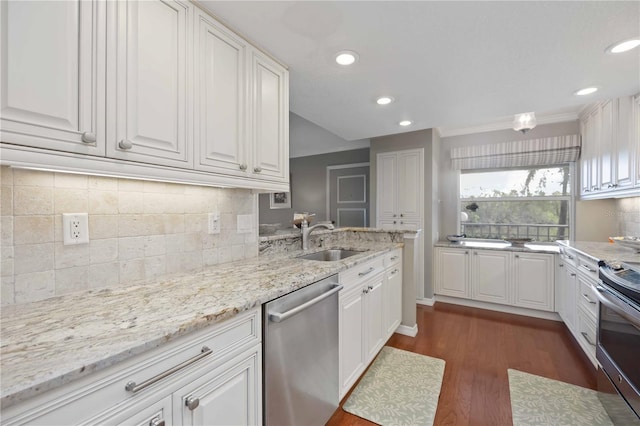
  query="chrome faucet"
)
[{"x": 307, "y": 230}]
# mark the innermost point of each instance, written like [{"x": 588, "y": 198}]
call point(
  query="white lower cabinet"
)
[
  {"x": 370, "y": 310},
  {"x": 498, "y": 276},
  {"x": 216, "y": 379}
]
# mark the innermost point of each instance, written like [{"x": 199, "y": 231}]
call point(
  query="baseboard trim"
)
[
  {"x": 407, "y": 331},
  {"x": 426, "y": 301},
  {"x": 553, "y": 316}
]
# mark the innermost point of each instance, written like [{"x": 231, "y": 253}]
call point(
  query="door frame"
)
[{"x": 328, "y": 182}]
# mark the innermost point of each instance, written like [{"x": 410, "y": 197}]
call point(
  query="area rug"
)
[
  {"x": 400, "y": 388},
  {"x": 540, "y": 401}
]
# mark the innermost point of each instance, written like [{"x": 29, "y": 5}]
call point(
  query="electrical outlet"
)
[
  {"x": 75, "y": 228},
  {"x": 214, "y": 223}
]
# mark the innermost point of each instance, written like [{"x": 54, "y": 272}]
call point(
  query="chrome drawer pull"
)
[
  {"x": 588, "y": 269},
  {"x": 588, "y": 300},
  {"x": 370, "y": 270},
  {"x": 586, "y": 337},
  {"x": 156, "y": 421},
  {"x": 133, "y": 387}
]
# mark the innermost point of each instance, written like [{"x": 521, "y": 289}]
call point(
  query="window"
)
[{"x": 532, "y": 202}]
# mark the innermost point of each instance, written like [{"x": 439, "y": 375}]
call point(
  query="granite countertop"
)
[
  {"x": 49, "y": 343},
  {"x": 603, "y": 251},
  {"x": 534, "y": 247}
]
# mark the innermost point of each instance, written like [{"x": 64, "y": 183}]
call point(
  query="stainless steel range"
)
[{"x": 618, "y": 342}]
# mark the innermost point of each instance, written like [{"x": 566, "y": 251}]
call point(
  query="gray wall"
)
[
  {"x": 449, "y": 186},
  {"x": 308, "y": 186},
  {"x": 430, "y": 141}
]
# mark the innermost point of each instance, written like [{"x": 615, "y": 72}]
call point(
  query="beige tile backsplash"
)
[
  {"x": 137, "y": 229},
  {"x": 628, "y": 212}
]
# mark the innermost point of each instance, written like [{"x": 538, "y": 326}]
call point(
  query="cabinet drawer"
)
[
  {"x": 568, "y": 256},
  {"x": 587, "y": 297},
  {"x": 588, "y": 267},
  {"x": 89, "y": 396},
  {"x": 356, "y": 275},
  {"x": 586, "y": 334},
  {"x": 393, "y": 258}
]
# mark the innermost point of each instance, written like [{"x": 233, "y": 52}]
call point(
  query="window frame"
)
[{"x": 571, "y": 198}]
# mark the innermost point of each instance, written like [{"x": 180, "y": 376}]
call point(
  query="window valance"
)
[{"x": 531, "y": 152}]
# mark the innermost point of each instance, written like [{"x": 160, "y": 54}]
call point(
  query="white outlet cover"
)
[
  {"x": 75, "y": 228},
  {"x": 245, "y": 223},
  {"x": 214, "y": 223}
]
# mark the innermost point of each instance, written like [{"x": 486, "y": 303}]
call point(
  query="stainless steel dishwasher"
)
[{"x": 300, "y": 344}]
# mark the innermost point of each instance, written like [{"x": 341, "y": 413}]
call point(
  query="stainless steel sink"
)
[{"x": 329, "y": 255}]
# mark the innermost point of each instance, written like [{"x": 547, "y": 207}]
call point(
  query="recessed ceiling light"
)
[
  {"x": 384, "y": 100},
  {"x": 346, "y": 57},
  {"x": 405, "y": 123},
  {"x": 586, "y": 91},
  {"x": 623, "y": 46}
]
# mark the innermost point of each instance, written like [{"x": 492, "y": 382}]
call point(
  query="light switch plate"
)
[
  {"x": 245, "y": 223},
  {"x": 214, "y": 223}
]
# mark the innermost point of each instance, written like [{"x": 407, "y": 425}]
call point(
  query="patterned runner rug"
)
[
  {"x": 400, "y": 388},
  {"x": 540, "y": 401}
]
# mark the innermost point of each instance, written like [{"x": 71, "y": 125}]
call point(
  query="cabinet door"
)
[
  {"x": 392, "y": 313},
  {"x": 635, "y": 139},
  {"x": 52, "y": 67},
  {"x": 594, "y": 149},
  {"x": 152, "y": 83},
  {"x": 452, "y": 272},
  {"x": 141, "y": 413},
  {"x": 624, "y": 146},
  {"x": 608, "y": 111},
  {"x": 386, "y": 181},
  {"x": 489, "y": 276},
  {"x": 410, "y": 181},
  {"x": 533, "y": 281},
  {"x": 270, "y": 119},
  {"x": 351, "y": 337},
  {"x": 228, "y": 396},
  {"x": 373, "y": 324},
  {"x": 220, "y": 95},
  {"x": 570, "y": 290}
]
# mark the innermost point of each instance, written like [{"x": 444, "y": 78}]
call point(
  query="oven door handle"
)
[{"x": 618, "y": 306}]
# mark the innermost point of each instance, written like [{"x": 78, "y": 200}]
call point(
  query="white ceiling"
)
[{"x": 447, "y": 63}]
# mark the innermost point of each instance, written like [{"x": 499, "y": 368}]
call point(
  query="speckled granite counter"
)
[
  {"x": 603, "y": 251},
  {"x": 49, "y": 343}
]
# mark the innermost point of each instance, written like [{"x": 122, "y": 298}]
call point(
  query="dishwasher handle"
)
[{"x": 281, "y": 316}]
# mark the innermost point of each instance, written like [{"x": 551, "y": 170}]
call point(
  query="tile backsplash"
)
[
  {"x": 628, "y": 211},
  {"x": 137, "y": 229}
]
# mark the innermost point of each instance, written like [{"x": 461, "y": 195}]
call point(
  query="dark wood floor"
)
[{"x": 478, "y": 347}]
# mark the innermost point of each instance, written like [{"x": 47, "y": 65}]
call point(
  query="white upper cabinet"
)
[
  {"x": 269, "y": 118},
  {"x": 221, "y": 98},
  {"x": 399, "y": 179},
  {"x": 154, "y": 89},
  {"x": 387, "y": 184},
  {"x": 52, "y": 73},
  {"x": 610, "y": 156},
  {"x": 153, "y": 79}
]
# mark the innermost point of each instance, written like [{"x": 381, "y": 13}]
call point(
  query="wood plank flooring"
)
[{"x": 478, "y": 347}]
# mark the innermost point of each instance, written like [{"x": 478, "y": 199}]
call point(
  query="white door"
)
[
  {"x": 533, "y": 281},
  {"x": 594, "y": 150},
  {"x": 410, "y": 184},
  {"x": 392, "y": 300},
  {"x": 228, "y": 396},
  {"x": 386, "y": 181},
  {"x": 220, "y": 96},
  {"x": 152, "y": 84},
  {"x": 586, "y": 130},
  {"x": 452, "y": 272},
  {"x": 52, "y": 67},
  {"x": 606, "y": 144},
  {"x": 351, "y": 337},
  {"x": 373, "y": 322},
  {"x": 624, "y": 144},
  {"x": 489, "y": 276},
  {"x": 270, "y": 119},
  {"x": 349, "y": 196}
]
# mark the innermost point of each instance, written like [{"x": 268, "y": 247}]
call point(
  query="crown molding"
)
[{"x": 503, "y": 124}]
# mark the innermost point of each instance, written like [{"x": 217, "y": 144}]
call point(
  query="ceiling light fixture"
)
[
  {"x": 586, "y": 91},
  {"x": 346, "y": 57},
  {"x": 623, "y": 46},
  {"x": 384, "y": 100},
  {"x": 524, "y": 122},
  {"x": 405, "y": 123}
]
